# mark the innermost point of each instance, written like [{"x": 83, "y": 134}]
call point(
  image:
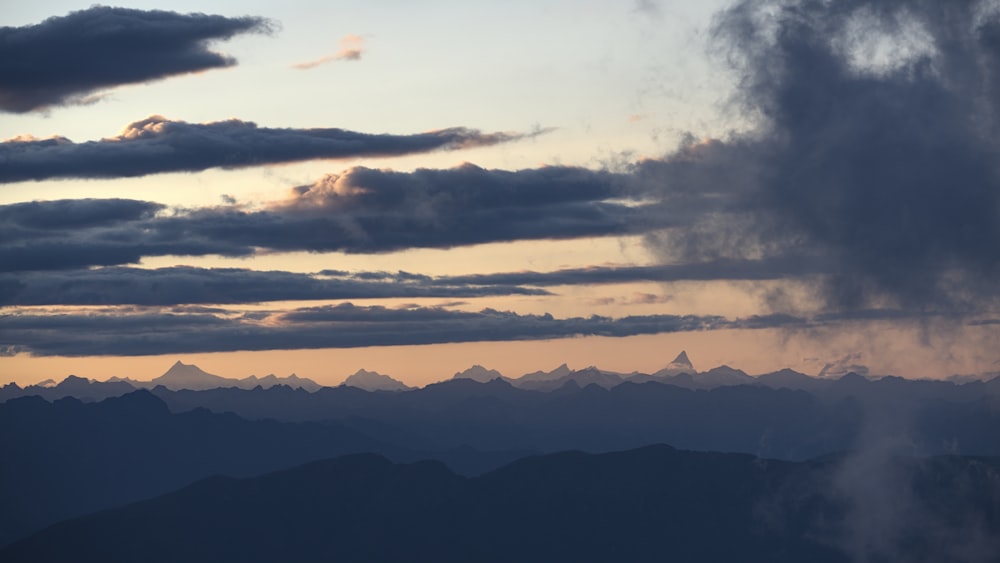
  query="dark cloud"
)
[
  {"x": 118, "y": 332},
  {"x": 68, "y": 214},
  {"x": 65, "y": 59},
  {"x": 722, "y": 269},
  {"x": 363, "y": 210},
  {"x": 188, "y": 285},
  {"x": 65, "y": 234},
  {"x": 875, "y": 147},
  {"x": 130, "y": 331},
  {"x": 156, "y": 144},
  {"x": 185, "y": 284}
]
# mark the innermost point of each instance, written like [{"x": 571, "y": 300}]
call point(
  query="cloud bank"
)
[
  {"x": 361, "y": 211},
  {"x": 130, "y": 332},
  {"x": 188, "y": 285},
  {"x": 64, "y": 60},
  {"x": 156, "y": 144}
]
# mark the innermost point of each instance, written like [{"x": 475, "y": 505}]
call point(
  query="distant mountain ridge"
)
[
  {"x": 190, "y": 376},
  {"x": 480, "y": 374},
  {"x": 680, "y": 372},
  {"x": 374, "y": 381}
]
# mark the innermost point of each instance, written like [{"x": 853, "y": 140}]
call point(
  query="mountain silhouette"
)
[
  {"x": 650, "y": 504},
  {"x": 178, "y": 377},
  {"x": 374, "y": 381},
  {"x": 479, "y": 373},
  {"x": 940, "y": 417},
  {"x": 72, "y": 386},
  {"x": 68, "y": 458},
  {"x": 555, "y": 375},
  {"x": 681, "y": 364},
  {"x": 189, "y": 376}
]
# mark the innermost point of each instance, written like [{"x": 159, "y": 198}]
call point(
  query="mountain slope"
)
[
  {"x": 189, "y": 376},
  {"x": 650, "y": 504},
  {"x": 68, "y": 458}
]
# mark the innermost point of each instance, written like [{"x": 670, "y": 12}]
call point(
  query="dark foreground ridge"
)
[
  {"x": 650, "y": 504},
  {"x": 67, "y": 458}
]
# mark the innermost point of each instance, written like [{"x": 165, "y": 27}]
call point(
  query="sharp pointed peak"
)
[{"x": 682, "y": 359}]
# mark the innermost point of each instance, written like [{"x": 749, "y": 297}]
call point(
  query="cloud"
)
[
  {"x": 185, "y": 284},
  {"x": 156, "y": 145},
  {"x": 362, "y": 210},
  {"x": 875, "y": 148},
  {"x": 69, "y": 214},
  {"x": 136, "y": 332},
  {"x": 64, "y": 60},
  {"x": 132, "y": 330},
  {"x": 782, "y": 267},
  {"x": 188, "y": 285},
  {"x": 649, "y": 8},
  {"x": 351, "y": 48}
]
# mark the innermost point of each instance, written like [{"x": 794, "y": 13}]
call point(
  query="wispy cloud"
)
[
  {"x": 65, "y": 60},
  {"x": 351, "y": 48},
  {"x": 157, "y": 144}
]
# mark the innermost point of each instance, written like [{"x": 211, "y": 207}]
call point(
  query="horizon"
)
[{"x": 830, "y": 371}]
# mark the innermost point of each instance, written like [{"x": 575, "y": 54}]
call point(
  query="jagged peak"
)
[
  {"x": 682, "y": 360},
  {"x": 478, "y": 373}
]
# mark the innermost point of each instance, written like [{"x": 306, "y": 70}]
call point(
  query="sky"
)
[{"x": 413, "y": 188}]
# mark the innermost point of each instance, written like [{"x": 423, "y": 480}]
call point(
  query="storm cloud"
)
[
  {"x": 64, "y": 60},
  {"x": 156, "y": 145},
  {"x": 874, "y": 146}
]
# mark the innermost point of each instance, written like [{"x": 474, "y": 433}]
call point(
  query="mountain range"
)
[
  {"x": 81, "y": 446},
  {"x": 189, "y": 376},
  {"x": 680, "y": 372},
  {"x": 178, "y": 376}
]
